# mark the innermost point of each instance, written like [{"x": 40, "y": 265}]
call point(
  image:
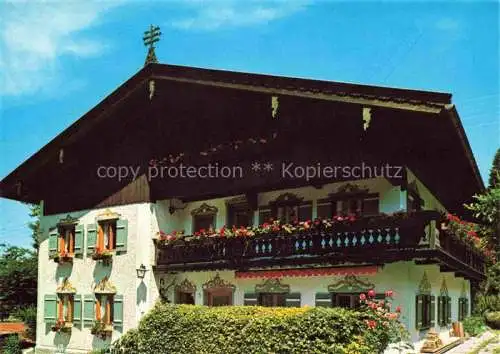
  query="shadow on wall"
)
[
  {"x": 102, "y": 270},
  {"x": 142, "y": 292},
  {"x": 63, "y": 271},
  {"x": 61, "y": 341},
  {"x": 99, "y": 343}
]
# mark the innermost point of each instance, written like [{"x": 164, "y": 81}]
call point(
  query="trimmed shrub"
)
[
  {"x": 12, "y": 345},
  {"x": 474, "y": 325},
  {"x": 250, "y": 329},
  {"x": 493, "y": 319}
]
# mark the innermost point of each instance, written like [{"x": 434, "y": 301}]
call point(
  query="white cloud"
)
[
  {"x": 210, "y": 15},
  {"x": 35, "y": 35}
]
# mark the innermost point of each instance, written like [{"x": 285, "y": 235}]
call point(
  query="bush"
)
[
  {"x": 474, "y": 325},
  {"x": 12, "y": 345},
  {"x": 487, "y": 303},
  {"x": 28, "y": 316},
  {"x": 250, "y": 329},
  {"x": 493, "y": 319}
]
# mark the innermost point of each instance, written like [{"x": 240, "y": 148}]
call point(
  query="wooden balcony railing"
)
[{"x": 378, "y": 239}]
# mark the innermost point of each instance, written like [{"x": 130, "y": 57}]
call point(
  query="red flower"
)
[
  {"x": 371, "y": 324},
  {"x": 389, "y": 293},
  {"x": 197, "y": 233},
  {"x": 202, "y": 231},
  {"x": 371, "y": 293},
  {"x": 362, "y": 297},
  {"x": 398, "y": 309}
]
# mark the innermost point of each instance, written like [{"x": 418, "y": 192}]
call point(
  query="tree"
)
[
  {"x": 35, "y": 212},
  {"x": 18, "y": 277},
  {"x": 486, "y": 207},
  {"x": 494, "y": 179}
]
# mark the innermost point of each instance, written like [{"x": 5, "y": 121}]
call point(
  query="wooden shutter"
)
[
  {"x": 121, "y": 235},
  {"x": 432, "y": 310},
  {"x": 78, "y": 240},
  {"x": 323, "y": 300},
  {"x": 419, "y": 310},
  {"x": 77, "y": 309},
  {"x": 448, "y": 309},
  {"x": 466, "y": 307},
  {"x": 441, "y": 312},
  {"x": 118, "y": 311},
  {"x": 50, "y": 308},
  {"x": 250, "y": 299},
  {"x": 91, "y": 238},
  {"x": 88, "y": 309},
  {"x": 292, "y": 300},
  {"x": 53, "y": 236}
]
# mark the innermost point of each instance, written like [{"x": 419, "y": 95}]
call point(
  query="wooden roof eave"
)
[
  {"x": 50, "y": 150},
  {"x": 452, "y": 113},
  {"x": 374, "y": 101}
]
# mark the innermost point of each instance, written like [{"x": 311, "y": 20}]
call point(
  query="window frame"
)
[
  {"x": 61, "y": 240},
  {"x": 277, "y": 299},
  {"x": 101, "y": 245}
]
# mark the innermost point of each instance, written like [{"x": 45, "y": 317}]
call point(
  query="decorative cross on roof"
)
[{"x": 151, "y": 36}]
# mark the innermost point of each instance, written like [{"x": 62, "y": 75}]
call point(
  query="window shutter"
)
[
  {"x": 323, "y": 300},
  {"x": 118, "y": 311},
  {"x": 264, "y": 216},
  {"x": 441, "y": 313},
  {"x": 432, "y": 311},
  {"x": 88, "y": 309},
  {"x": 78, "y": 240},
  {"x": 466, "y": 307},
  {"x": 250, "y": 299},
  {"x": 91, "y": 238},
  {"x": 50, "y": 308},
  {"x": 292, "y": 300},
  {"x": 448, "y": 309},
  {"x": 121, "y": 235},
  {"x": 77, "y": 309},
  {"x": 419, "y": 309},
  {"x": 53, "y": 235}
]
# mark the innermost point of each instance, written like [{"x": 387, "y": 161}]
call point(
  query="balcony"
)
[{"x": 375, "y": 240}]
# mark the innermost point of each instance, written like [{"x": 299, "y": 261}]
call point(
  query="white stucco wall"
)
[{"x": 85, "y": 272}]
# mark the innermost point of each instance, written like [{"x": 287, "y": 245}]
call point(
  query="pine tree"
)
[{"x": 494, "y": 179}]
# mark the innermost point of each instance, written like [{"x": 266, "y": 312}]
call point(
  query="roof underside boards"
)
[{"x": 193, "y": 110}]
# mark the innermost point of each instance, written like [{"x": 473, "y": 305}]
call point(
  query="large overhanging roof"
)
[{"x": 454, "y": 179}]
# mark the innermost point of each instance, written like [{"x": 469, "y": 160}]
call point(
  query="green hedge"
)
[{"x": 249, "y": 329}]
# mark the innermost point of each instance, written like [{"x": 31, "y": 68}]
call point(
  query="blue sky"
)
[{"x": 59, "y": 59}]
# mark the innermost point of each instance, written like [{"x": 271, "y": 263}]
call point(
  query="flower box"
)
[
  {"x": 62, "y": 257},
  {"x": 105, "y": 256},
  {"x": 62, "y": 326},
  {"x": 101, "y": 329}
]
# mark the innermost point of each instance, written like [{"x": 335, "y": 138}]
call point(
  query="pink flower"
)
[
  {"x": 371, "y": 324},
  {"x": 389, "y": 293},
  {"x": 398, "y": 309},
  {"x": 371, "y": 293},
  {"x": 362, "y": 297}
]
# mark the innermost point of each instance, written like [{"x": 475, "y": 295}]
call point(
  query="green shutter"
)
[
  {"x": 118, "y": 311},
  {"x": 466, "y": 307},
  {"x": 441, "y": 314},
  {"x": 432, "y": 311},
  {"x": 88, "y": 309},
  {"x": 448, "y": 310},
  {"x": 78, "y": 240},
  {"x": 419, "y": 309},
  {"x": 77, "y": 309},
  {"x": 292, "y": 300},
  {"x": 250, "y": 299},
  {"x": 91, "y": 238},
  {"x": 323, "y": 300},
  {"x": 50, "y": 308},
  {"x": 121, "y": 235},
  {"x": 53, "y": 235}
]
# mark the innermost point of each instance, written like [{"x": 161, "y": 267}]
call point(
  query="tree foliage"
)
[
  {"x": 35, "y": 212},
  {"x": 494, "y": 179},
  {"x": 18, "y": 277}
]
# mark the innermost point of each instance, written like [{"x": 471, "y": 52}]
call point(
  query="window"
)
[
  {"x": 349, "y": 301},
  {"x": 366, "y": 205},
  {"x": 444, "y": 310},
  {"x": 106, "y": 237},
  {"x": 65, "y": 308},
  {"x": 265, "y": 215},
  {"x": 239, "y": 215},
  {"x": 104, "y": 309},
  {"x": 463, "y": 308},
  {"x": 272, "y": 299},
  {"x": 185, "y": 292},
  {"x": 219, "y": 297},
  {"x": 425, "y": 311},
  {"x": 204, "y": 218},
  {"x": 66, "y": 240}
]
